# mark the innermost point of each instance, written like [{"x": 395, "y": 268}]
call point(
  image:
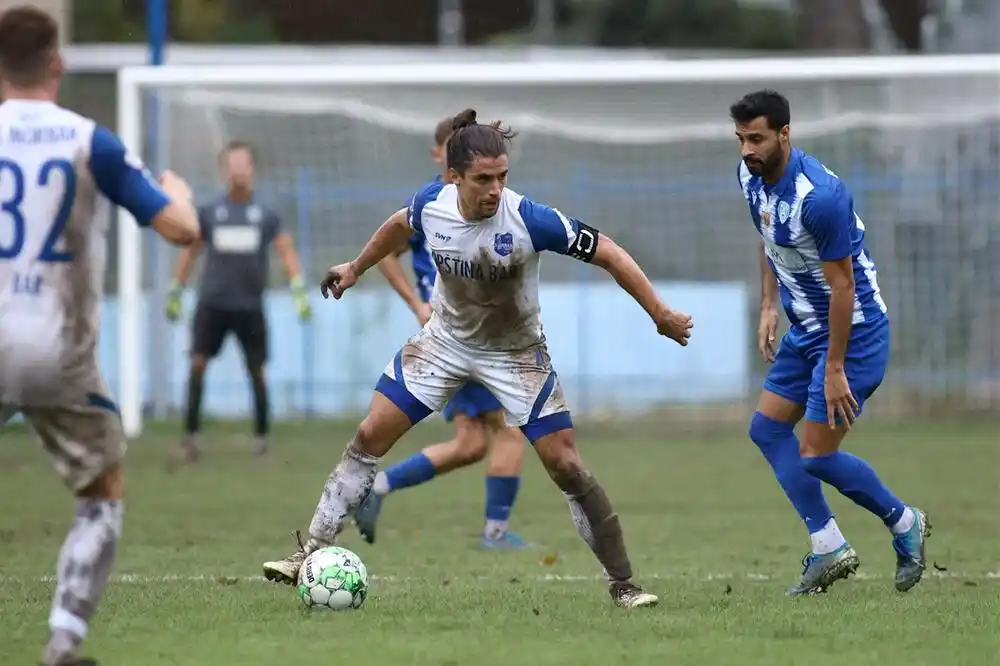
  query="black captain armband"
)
[{"x": 585, "y": 246}]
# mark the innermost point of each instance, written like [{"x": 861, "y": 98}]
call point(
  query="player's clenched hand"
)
[
  {"x": 840, "y": 402},
  {"x": 338, "y": 280},
  {"x": 676, "y": 326},
  {"x": 175, "y": 186},
  {"x": 766, "y": 333}
]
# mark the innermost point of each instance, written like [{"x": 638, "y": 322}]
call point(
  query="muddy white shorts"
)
[
  {"x": 83, "y": 440},
  {"x": 432, "y": 366}
]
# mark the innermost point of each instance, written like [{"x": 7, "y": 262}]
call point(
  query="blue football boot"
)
[
  {"x": 909, "y": 546},
  {"x": 509, "y": 541},
  {"x": 821, "y": 571}
]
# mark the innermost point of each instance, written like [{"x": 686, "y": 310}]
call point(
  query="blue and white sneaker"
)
[
  {"x": 366, "y": 515},
  {"x": 509, "y": 541},
  {"x": 819, "y": 572},
  {"x": 909, "y": 546}
]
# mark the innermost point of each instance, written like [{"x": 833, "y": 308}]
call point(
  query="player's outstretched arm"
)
[
  {"x": 551, "y": 230},
  {"x": 392, "y": 269},
  {"x": 125, "y": 181},
  {"x": 623, "y": 268},
  {"x": 177, "y": 222},
  {"x": 393, "y": 233}
]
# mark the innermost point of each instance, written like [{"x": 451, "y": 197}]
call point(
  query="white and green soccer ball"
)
[{"x": 333, "y": 578}]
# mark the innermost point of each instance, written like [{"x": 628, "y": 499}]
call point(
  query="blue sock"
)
[
  {"x": 780, "y": 446},
  {"x": 413, "y": 471},
  {"x": 858, "y": 481},
  {"x": 501, "y": 492}
]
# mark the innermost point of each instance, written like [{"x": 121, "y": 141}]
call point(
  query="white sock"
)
[
  {"x": 381, "y": 485},
  {"x": 85, "y": 563},
  {"x": 827, "y": 539},
  {"x": 346, "y": 487},
  {"x": 495, "y": 529},
  {"x": 905, "y": 521}
]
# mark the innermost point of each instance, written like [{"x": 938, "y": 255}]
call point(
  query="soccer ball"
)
[{"x": 333, "y": 578}]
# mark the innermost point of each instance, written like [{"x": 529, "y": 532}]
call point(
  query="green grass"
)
[{"x": 708, "y": 530}]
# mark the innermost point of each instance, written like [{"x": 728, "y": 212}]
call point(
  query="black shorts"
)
[{"x": 212, "y": 324}]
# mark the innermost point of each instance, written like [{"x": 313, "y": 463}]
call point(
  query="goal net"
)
[{"x": 644, "y": 151}]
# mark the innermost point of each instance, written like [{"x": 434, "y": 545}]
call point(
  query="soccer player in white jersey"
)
[
  {"x": 835, "y": 353},
  {"x": 478, "y": 415},
  {"x": 486, "y": 241},
  {"x": 58, "y": 173}
]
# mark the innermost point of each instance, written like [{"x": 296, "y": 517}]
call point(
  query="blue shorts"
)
[
  {"x": 473, "y": 400},
  {"x": 799, "y": 367}
]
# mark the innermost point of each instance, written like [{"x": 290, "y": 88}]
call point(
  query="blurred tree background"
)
[{"x": 678, "y": 24}]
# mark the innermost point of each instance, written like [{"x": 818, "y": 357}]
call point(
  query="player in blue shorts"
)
[
  {"x": 835, "y": 353},
  {"x": 478, "y": 415}
]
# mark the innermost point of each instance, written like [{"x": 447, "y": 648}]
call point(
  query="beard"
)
[{"x": 764, "y": 166}]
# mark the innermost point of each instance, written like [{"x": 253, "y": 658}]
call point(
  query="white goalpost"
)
[{"x": 645, "y": 146}]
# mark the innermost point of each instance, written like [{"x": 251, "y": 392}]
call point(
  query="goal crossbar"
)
[{"x": 554, "y": 73}]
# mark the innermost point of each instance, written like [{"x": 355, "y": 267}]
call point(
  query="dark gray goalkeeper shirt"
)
[{"x": 236, "y": 238}]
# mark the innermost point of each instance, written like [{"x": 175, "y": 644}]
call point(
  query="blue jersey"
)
[
  {"x": 806, "y": 219},
  {"x": 423, "y": 263}
]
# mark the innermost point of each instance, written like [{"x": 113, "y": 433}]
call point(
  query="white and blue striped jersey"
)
[
  {"x": 59, "y": 173},
  {"x": 486, "y": 291},
  {"x": 806, "y": 219}
]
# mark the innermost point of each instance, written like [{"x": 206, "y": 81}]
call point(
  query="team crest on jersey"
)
[
  {"x": 253, "y": 214},
  {"x": 784, "y": 210},
  {"x": 503, "y": 244}
]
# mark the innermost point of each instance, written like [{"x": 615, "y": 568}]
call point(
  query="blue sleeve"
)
[
  {"x": 123, "y": 179},
  {"x": 415, "y": 209},
  {"x": 828, "y": 215},
  {"x": 549, "y": 229}
]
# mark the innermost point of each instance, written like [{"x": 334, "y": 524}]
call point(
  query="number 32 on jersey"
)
[{"x": 15, "y": 224}]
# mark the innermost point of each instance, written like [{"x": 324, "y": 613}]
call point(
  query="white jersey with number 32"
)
[{"x": 59, "y": 173}]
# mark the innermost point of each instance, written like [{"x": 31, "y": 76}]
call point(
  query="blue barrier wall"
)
[{"x": 603, "y": 345}]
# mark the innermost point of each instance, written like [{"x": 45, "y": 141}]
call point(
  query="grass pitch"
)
[{"x": 707, "y": 526}]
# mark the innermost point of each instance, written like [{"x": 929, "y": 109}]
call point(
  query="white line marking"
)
[{"x": 140, "y": 579}]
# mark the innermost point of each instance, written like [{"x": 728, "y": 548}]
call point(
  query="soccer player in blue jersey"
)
[
  {"x": 478, "y": 415},
  {"x": 834, "y": 355},
  {"x": 60, "y": 174},
  {"x": 486, "y": 241}
]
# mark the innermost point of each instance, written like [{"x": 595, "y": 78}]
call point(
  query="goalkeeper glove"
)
[
  {"x": 173, "y": 309},
  {"x": 300, "y": 299}
]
